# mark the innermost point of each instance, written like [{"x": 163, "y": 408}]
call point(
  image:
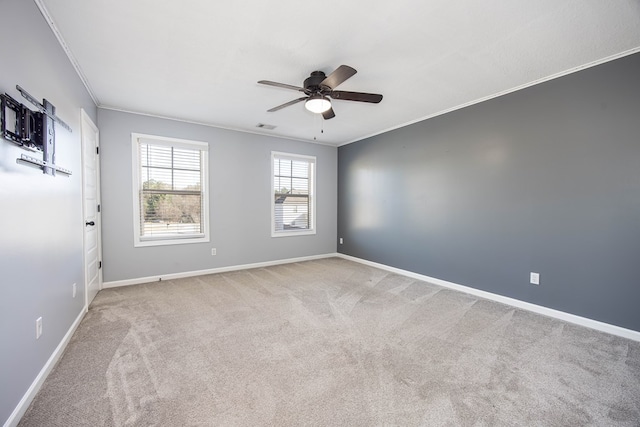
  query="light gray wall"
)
[
  {"x": 543, "y": 180},
  {"x": 40, "y": 216},
  {"x": 240, "y": 216}
]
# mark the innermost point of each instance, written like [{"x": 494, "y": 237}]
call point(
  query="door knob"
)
[{"x": 90, "y": 223}]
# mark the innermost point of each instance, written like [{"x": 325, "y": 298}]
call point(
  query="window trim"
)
[
  {"x": 136, "y": 140},
  {"x": 312, "y": 196}
]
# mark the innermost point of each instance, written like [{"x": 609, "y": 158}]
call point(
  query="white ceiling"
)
[{"x": 200, "y": 60}]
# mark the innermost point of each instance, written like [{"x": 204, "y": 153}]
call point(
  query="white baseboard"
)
[
  {"x": 572, "y": 318},
  {"x": 24, "y": 403},
  {"x": 139, "y": 280}
]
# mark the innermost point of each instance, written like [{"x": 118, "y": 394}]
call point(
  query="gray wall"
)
[
  {"x": 40, "y": 216},
  {"x": 240, "y": 216},
  {"x": 546, "y": 179}
]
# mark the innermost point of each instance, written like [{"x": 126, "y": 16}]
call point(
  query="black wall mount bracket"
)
[{"x": 32, "y": 130}]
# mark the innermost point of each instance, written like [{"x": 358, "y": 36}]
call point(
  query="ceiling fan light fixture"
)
[{"x": 317, "y": 103}]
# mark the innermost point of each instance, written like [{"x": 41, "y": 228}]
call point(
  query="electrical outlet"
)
[
  {"x": 341, "y": 241},
  {"x": 74, "y": 290},
  {"x": 38, "y": 327},
  {"x": 213, "y": 251},
  {"x": 534, "y": 278}
]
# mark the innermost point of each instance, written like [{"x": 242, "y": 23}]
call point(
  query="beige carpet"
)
[{"x": 331, "y": 343}]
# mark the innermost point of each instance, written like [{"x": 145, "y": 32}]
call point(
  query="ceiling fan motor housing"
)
[{"x": 312, "y": 83}]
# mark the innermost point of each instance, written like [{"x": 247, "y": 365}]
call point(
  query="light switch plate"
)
[{"x": 534, "y": 278}]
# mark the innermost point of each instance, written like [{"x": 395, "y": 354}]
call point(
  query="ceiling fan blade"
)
[
  {"x": 286, "y": 104},
  {"x": 282, "y": 85},
  {"x": 329, "y": 114},
  {"x": 341, "y": 74},
  {"x": 355, "y": 96}
]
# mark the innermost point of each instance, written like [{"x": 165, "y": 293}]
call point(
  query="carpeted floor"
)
[{"x": 331, "y": 343}]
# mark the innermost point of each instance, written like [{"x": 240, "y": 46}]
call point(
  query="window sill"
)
[
  {"x": 173, "y": 241},
  {"x": 290, "y": 233}
]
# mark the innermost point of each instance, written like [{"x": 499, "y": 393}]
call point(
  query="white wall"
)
[
  {"x": 240, "y": 202},
  {"x": 40, "y": 216}
]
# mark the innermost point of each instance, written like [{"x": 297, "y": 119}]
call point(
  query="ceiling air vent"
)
[{"x": 263, "y": 126}]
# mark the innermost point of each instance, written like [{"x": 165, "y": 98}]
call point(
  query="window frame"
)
[
  {"x": 203, "y": 147},
  {"x": 313, "y": 163}
]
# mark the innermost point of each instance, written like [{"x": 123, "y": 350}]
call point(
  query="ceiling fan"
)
[{"x": 319, "y": 87}]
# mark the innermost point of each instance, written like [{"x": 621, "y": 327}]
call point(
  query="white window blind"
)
[
  {"x": 293, "y": 199},
  {"x": 171, "y": 190}
]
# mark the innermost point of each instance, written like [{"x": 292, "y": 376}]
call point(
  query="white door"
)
[{"x": 91, "y": 210}]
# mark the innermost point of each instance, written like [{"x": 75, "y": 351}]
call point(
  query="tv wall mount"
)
[{"x": 32, "y": 130}]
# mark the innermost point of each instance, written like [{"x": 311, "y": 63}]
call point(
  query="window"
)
[
  {"x": 293, "y": 194},
  {"x": 170, "y": 190}
]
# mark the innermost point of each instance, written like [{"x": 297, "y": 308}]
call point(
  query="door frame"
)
[{"x": 87, "y": 122}]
